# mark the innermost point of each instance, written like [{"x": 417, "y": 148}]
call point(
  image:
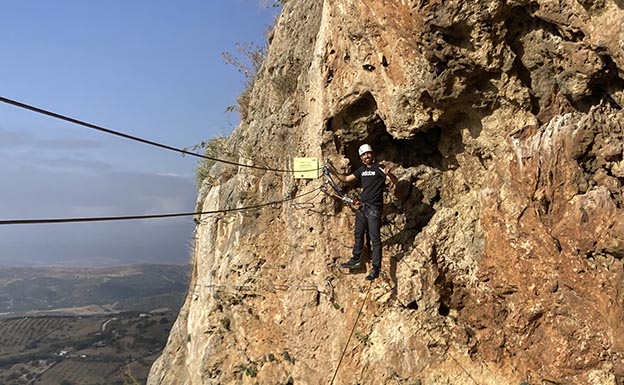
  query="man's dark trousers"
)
[{"x": 368, "y": 217}]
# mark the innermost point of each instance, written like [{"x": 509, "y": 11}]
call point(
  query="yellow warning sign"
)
[{"x": 306, "y": 168}]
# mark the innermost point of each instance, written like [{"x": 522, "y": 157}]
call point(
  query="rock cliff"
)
[{"x": 503, "y": 241}]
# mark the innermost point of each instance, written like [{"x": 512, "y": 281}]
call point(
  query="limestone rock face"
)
[{"x": 503, "y": 240}]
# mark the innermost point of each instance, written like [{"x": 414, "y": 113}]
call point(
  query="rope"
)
[
  {"x": 132, "y": 217},
  {"x": 351, "y": 334},
  {"x": 136, "y": 138},
  {"x": 308, "y": 203}
]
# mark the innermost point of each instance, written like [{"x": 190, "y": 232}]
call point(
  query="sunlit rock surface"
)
[{"x": 503, "y": 241}]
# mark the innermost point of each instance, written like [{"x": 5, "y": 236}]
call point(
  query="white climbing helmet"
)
[{"x": 364, "y": 149}]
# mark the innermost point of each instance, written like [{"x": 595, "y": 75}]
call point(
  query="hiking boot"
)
[
  {"x": 352, "y": 263},
  {"x": 374, "y": 273}
]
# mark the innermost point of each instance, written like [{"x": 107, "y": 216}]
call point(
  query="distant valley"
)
[
  {"x": 90, "y": 291},
  {"x": 82, "y": 326}
]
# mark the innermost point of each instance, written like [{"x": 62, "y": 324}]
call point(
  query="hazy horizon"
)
[{"x": 148, "y": 69}]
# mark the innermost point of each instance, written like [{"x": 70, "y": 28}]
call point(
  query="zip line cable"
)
[
  {"x": 136, "y": 138},
  {"x": 132, "y": 217}
]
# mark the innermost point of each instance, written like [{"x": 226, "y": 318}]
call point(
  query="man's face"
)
[{"x": 367, "y": 158}]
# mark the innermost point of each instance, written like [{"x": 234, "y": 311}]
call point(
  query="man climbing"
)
[{"x": 372, "y": 176}]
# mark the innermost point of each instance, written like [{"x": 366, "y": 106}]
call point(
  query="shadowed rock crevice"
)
[
  {"x": 523, "y": 19},
  {"x": 597, "y": 5},
  {"x": 519, "y": 23},
  {"x": 352, "y": 125},
  {"x": 603, "y": 87},
  {"x": 557, "y": 66},
  {"x": 450, "y": 295},
  {"x": 457, "y": 35},
  {"x": 417, "y": 158},
  {"x": 360, "y": 123}
]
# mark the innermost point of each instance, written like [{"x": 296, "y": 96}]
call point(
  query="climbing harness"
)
[{"x": 337, "y": 192}]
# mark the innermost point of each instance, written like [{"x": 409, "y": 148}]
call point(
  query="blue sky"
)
[{"x": 152, "y": 69}]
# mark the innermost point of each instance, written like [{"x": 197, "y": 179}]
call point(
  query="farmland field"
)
[
  {"x": 22, "y": 332},
  {"x": 77, "y": 371},
  {"x": 81, "y": 350},
  {"x": 83, "y": 326},
  {"x": 83, "y": 291}
]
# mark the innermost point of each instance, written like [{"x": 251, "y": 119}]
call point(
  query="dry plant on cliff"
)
[
  {"x": 213, "y": 148},
  {"x": 247, "y": 61}
]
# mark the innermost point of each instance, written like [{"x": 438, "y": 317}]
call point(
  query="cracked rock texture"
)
[{"x": 503, "y": 241}]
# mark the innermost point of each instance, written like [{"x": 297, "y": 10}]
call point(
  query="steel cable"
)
[
  {"x": 132, "y": 217},
  {"x": 136, "y": 138}
]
